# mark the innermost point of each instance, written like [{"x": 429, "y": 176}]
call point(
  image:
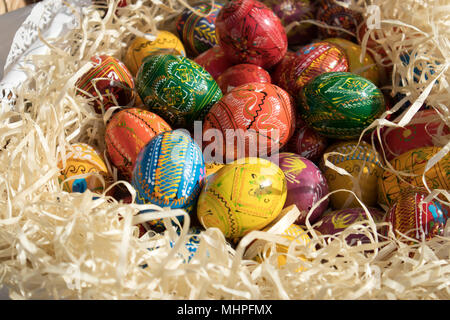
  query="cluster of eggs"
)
[{"x": 230, "y": 68}]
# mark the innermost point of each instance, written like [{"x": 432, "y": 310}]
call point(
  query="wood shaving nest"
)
[{"x": 56, "y": 245}]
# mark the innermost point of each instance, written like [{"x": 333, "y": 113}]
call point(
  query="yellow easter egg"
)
[
  {"x": 243, "y": 196},
  {"x": 213, "y": 167},
  {"x": 367, "y": 68},
  {"x": 83, "y": 159},
  {"x": 390, "y": 185},
  {"x": 363, "y": 164},
  {"x": 140, "y": 47}
]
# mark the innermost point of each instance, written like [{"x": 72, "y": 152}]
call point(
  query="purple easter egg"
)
[{"x": 305, "y": 185}]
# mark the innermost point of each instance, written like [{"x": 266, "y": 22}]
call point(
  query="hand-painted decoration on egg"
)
[
  {"x": 339, "y": 220},
  {"x": 242, "y": 196},
  {"x": 295, "y": 11},
  {"x": 127, "y": 132},
  {"x": 169, "y": 171},
  {"x": 249, "y": 32},
  {"x": 255, "y": 119},
  {"x": 340, "y": 105},
  {"x": 306, "y": 142},
  {"x": 242, "y": 74},
  {"x": 423, "y": 130},
  {"x": 83, "y": 159},
  {"x": 312, "y": 60},
  {"x": 306, "y": 185},
  {"x": 335, "y": 15},
  {"x": 142, "y": 47},
  {"x": 112, "y": 80},
  {"x": 412, "y": 216},
  {"x": 414, "y": 162},
  {"x": 367, "y": 68},
  {"x": 176, "y": 88},
  {"x": 198, "y": 33},
  {"x": 280, "y": 71},
  {"x": 214, "y": 61},
  {"x": 365, "y": 167}
]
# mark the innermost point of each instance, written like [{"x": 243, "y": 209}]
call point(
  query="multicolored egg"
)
[
  {"x": 176, "y": 88},
  {"x": 141, "y": 47},
  {"x": 413, "y": 216},
  {"x": 127, "y": 132},
  {"x": 305, "y": 185},
  {"x": 340, "y": 104},
  {"x": 424, "y": 127},
  {"x": 335, "y": 15},
  {"x": 306, "y": 142},
  {"x": 83, "y": 159},
  {"x": 312, "y": 60},
  {"x": 414, "y": 162},
  {"x": 243, "y": 196},
  {"x": 242, "y": 74},
  {"x": 260, "y": 115},
  {"x": 295, "y": 11},
  {"x": 111, "y": 78},
  {"x": 198, "y": 33},
  {"x": 367, "y": 68},
  {"x": 214, "y": 61},
  {"x": 363, "y": 164},
  {"x": 339, "y": 220},
  {"x": 249, "y": 32},
  {"x": 281, "y": 70},
  {"x": 169, "y": 171}
]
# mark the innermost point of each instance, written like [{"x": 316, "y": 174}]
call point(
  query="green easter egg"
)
[
  {"x": 340, "y": 105},
  {"x": 176, "y": 88}
]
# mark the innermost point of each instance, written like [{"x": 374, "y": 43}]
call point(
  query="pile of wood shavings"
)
[{"x": 85, "y": 246}]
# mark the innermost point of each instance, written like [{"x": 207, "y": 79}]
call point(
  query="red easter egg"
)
[
  {"x": 242, "y": 74},
  {"x": 306, "y": 142},
  {"x": 249, "y": 32},
  {"x": 281, "y": 70},
  {"x": 214, "y": 61},
  {"x": 254, "y": 119},
  {"x": 420, "y": 131},
  {"x": 312, "y": 60},
  {"x": 127, "y": 132},
  {"x": 112, "y": 80},
  {"x": 412, "y": 212}
]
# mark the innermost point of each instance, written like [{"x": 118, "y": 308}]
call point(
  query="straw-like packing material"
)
[{"x": 75, "y": 246}]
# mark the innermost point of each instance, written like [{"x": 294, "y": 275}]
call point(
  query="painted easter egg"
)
[
  {"x": 242, "y": 74},
  {"x": 249, "y": 32},
  {"x": 83, "y": 159},
  {"x": 363, "y": 164},
  {"x": 421, "y": 131},
  {"x": 214, "y": 61},
  {"x": 169, "y": 171},
  {"x": 295, "y": 11},
  {"x": 281, "y": 70},
  {"x": 312, "y": 60},
  {"x": 127, "y": 132},
  {"x": 260, "y": 115},
  {"x": 111, "y": 78},
  {"x": 306, "y": 142},
  {"x": 340, "y": 104},
  {"x": 176, "y": 88},
  {"x": 242, "y": 196},
  {"x": 337, "y": 221},
  {"x": 305, "y": 185},
  {"x": 198, "y": 33},
  {"x": 367, "y": 68},
  {"x": 335, "y": 15},
  {"x": 142, "y": 47},
  {"x": 414, "y": 162},
  {"x": 415, "y": 217}
]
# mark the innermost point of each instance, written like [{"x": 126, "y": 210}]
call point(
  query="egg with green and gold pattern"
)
[
  {"x": 177, "y": 89},
  {"x": 364, "y": 166},
  {"x": 340, "y": 105},
  {"x": 366, "y": 68},
  {"x": 142, "y": 47},
  {"x": 243, "y": 196}
]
